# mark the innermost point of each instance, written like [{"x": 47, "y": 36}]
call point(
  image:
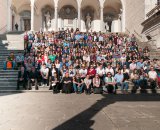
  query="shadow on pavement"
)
[
  {"x": 9, "y": 93},
  {"x": 83, "y": 121}
]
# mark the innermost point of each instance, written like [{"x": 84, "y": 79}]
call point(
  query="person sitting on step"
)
[
  {"x": 22, "y": 78},
  {"x": 10, "y": 62},
  {"x": 32, "y": 79},
  {"x": 67, "y": 84}
]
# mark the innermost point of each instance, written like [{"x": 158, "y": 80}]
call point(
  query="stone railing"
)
[
  {"x": 153, "y": 11},
  {"x": 3, "y": 29}
]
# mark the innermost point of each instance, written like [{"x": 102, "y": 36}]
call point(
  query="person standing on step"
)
[
  {"x": 22, "y": 78},
  {"x": 16, "y": 27}
]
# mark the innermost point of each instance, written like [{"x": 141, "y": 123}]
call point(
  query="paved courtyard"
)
[{"x": 45, "y": 111}]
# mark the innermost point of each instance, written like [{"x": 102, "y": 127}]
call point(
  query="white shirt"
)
[
  {"x": 53, "y": 71},
  {"x": 100, "y": 71},
  {"x": 83, "y": 72},
  {"x": 44, "y": 71},
  {"x": 109, "y": 70},
  {"x": 57, "y": 66},
  {"x": 152, "y": 74},
  {"x": 86, "y": 58},
  {"x": 132, "y": 66}
]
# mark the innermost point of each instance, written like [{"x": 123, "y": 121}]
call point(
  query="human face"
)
[
  {"x": 97, "y": 76},
  {"x": 53, "y": 65},
  {"x": 152, "y": 68},
  {"x": 109, "y": 74}
]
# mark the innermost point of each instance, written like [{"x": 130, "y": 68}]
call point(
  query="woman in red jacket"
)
[{"x": 91, "y": 72}]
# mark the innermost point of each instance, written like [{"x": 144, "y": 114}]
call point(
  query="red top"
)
[{"x": 91, "y": 72}]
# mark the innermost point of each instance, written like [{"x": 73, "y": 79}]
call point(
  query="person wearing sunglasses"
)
[{"x": 109, "y": 83}]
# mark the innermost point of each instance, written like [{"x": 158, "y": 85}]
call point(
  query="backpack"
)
[{"x": 9, "y": 65}]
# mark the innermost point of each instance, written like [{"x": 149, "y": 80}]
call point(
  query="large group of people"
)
[{"x": 90, "y": 62}]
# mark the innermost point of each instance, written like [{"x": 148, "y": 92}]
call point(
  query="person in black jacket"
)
[
  {"x": 67, "y": 84},
  {"x": 55, "y": 83},
  {"x": 32, "y": 79},
  {"x": 22, "y": 78}
]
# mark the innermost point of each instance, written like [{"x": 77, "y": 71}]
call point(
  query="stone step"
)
[
  {"x": 14, "y": 37},
  {"x": 13, "y": 90},
  {"x": 16, "y": 32},
  {"x": 9, "y": 75},
  {"x": 5, "y": 79},
  {"x": 9, "y": 83},
  {"x": 10, "y": 71},
  {"x": 8, "y": 51},
  {"x": 6, "y": 88}
]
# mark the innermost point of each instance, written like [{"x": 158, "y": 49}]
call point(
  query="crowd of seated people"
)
[{"x": 74, "y": 61}]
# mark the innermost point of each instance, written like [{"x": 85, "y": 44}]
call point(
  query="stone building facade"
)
[{"x": 101, "y": 15}]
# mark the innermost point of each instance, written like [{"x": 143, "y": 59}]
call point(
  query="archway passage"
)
[
  {"x": 112, "y": 16},
  {"x": 25, "y": 20},
  {"x": 21, "y": 14},
  {"x": 68, "y": 14}
]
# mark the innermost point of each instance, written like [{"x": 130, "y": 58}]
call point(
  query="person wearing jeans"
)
[
  {"x": 109, "y": 83},
  {"x": 78, "y": 84},
  {"x": 119, "y": 78},
  {"x": 87, "y": 82},
  {"x": 135, "y": 78}
]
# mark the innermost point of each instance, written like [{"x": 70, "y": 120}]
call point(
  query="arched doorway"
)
[
  {"x": 112, "y": 16},
  {"x": 90, "y": 15},
  {"x": 25, "y": 20},
  {"x": 69, "y": 15}
]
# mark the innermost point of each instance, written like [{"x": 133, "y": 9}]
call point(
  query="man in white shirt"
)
[
  {"x": 152, "y": 77},
  {"x": 44, "y": 72},
  {"x": 83, "y": 72},
  {"x": 100, "y": 70},
  {"x": 109, "y": 69}
]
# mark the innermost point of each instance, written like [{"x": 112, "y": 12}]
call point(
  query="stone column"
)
[
  {"x": 32, "y": 15},
  {"x": 101, "y": 18},
  {"x": 123, "y": 20},
  {"x": 9, "y": 14},
  {"x": 56, "y": 18},
  {"x": 79, "y": 17}
]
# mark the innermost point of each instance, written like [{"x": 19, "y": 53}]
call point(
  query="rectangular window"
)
[{"x": 158, "y": 2}]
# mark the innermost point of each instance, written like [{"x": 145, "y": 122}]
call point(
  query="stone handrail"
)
[
  {"x": 128, "y": 31},
  {"x": 137, "y": 34},
  {"x": 153, "y": 11},
  {"x": 2, "y": 29}
]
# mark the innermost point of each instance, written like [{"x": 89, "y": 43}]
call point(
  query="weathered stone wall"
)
[
  {"x": 3, "y": 15},
  {"x": 135, "y": 15}
]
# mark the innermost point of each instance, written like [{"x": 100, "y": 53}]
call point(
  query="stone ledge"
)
[{"x": 138, "y": 91}]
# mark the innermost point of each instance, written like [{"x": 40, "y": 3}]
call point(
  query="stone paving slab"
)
[{"x": 47, "y": 111}]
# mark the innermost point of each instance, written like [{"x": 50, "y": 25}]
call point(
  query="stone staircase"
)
[
  {"x": 8, "y": 78},
  {"x": 154, "y": 52}
]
